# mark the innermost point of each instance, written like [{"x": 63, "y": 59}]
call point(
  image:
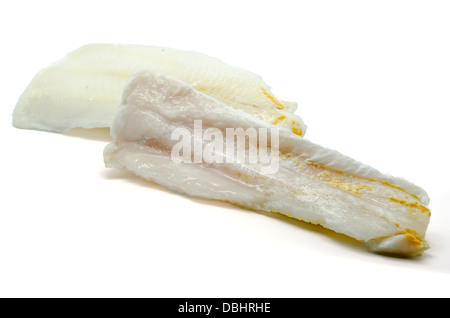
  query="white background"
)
[{"x": 372, "y": 80}]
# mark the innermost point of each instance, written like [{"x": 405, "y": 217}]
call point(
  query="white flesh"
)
[
  {"x": 313, "y": 183},
  {"x": 85, "y": 88}
]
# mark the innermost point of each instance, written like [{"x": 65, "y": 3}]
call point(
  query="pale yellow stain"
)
[
  {"x": 415, "y": 205},
  {"x": 348, "y": 187},
  {"x": 278, "y": 119},
  {"x": 272, "y": 98}
]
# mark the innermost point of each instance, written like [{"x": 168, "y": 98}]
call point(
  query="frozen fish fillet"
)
[
  {"x": 313, "y": 183},
  {"x": 85, "y": 88}
]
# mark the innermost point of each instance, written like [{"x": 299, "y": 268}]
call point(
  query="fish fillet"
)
[
  {"x": 312, "y": 183},
  {"x": 85, "y": 88}
]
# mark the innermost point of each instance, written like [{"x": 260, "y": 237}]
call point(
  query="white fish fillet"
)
[
  {"x": 85, "y": 88},
  {"x": 313, "y": 183}
]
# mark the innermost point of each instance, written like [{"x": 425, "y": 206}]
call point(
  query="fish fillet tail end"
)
[{"x": 404, "y": 244}]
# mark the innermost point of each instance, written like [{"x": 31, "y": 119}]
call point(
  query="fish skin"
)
[
  {"x": 313, "y": 184},
  {"x": 84, "y": 88}
]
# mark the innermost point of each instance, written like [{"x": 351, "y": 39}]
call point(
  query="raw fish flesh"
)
[
  {"x": 312, "y": 183},
  {"x": 85, "y": 88}
]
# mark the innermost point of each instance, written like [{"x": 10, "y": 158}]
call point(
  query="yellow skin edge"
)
[
  {"x": 273, "y": 99},
  {"x": 275, "y": 117},
  {"x": 92, "y": 78}
]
